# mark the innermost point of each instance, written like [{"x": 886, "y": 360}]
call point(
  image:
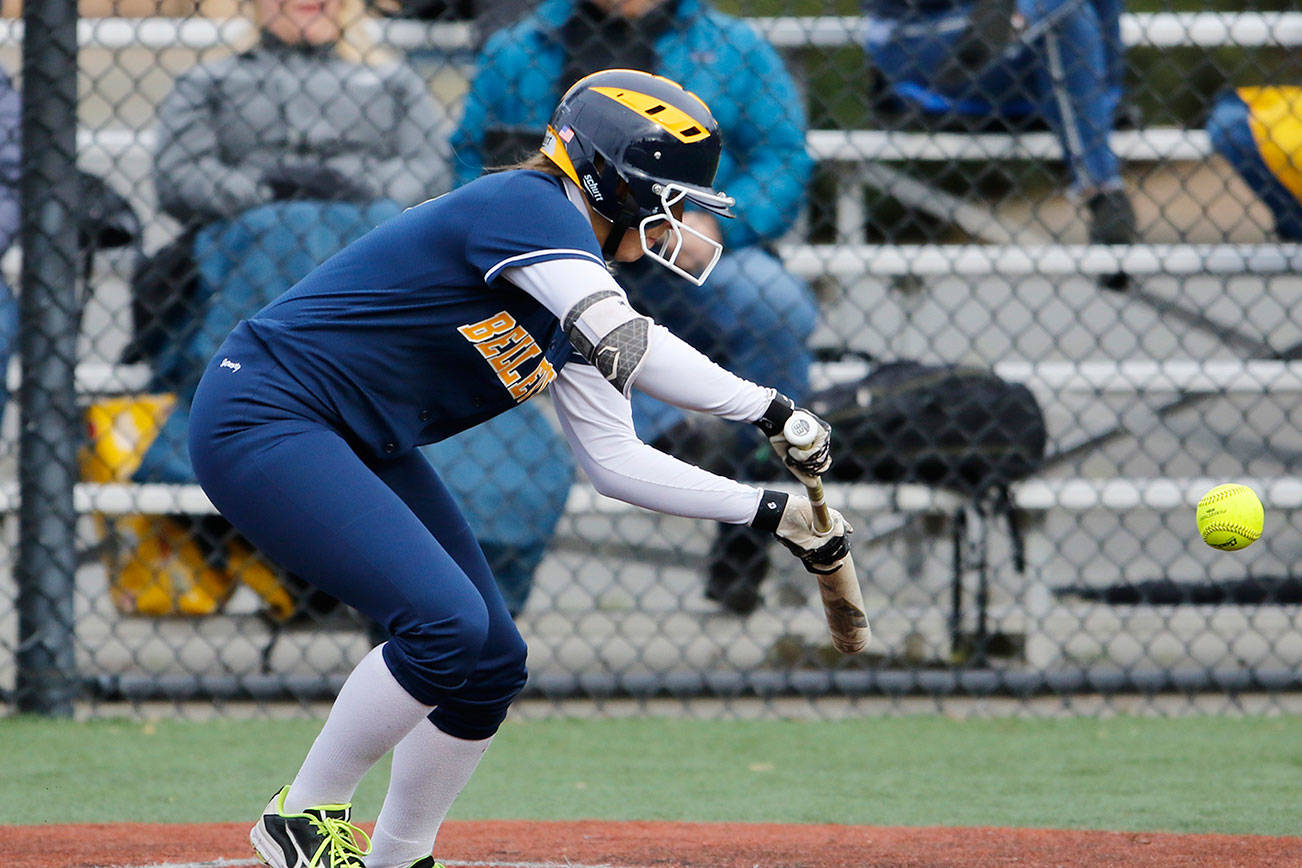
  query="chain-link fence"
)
[{"x": 1036, "y": 261}]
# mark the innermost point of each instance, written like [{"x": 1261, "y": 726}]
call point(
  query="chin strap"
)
[
  {"x": 624, "y": 221},
  {"x": 617, "y": 230}
]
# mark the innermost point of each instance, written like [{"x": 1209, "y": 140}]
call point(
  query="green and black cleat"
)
[{"x": 319, "y": 837}]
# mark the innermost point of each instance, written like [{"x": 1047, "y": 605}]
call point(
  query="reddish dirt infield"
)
[{"x": 592, "y": 844}]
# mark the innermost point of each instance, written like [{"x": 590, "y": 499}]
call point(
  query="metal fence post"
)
[{"x": 47, "y": 466}]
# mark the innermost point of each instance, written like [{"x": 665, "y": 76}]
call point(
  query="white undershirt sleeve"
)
[
  {"x": 562, "y": 283},
  {"x": 677, "y": 373},
  {"x": 598, "y": 423},
  {"x": 672, "y": 371}
]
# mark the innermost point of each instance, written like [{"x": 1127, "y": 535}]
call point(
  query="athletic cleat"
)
[
  {"x": 320, "y": 837},
  {"x": 427, "y": 862}
]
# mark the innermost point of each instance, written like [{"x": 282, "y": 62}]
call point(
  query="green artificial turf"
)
[{"x": 1185, "y": 774}]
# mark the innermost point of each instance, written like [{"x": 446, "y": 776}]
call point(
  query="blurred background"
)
[{"x": 1037, "y": 261}]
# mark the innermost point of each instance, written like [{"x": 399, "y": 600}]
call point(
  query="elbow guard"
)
[{"x": 610, "y": 335}]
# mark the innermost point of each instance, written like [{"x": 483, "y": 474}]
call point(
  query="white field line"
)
[
  {"x": 216, "y": 863},
  {"x": 242, "y": 863}
]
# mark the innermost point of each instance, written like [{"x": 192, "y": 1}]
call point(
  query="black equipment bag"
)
[
  {"x": 105, "y": 218},
  {"x": 955, "y": 427},
  {"x": 164, "y": 286},
  {"x": 948, "y": 426}
]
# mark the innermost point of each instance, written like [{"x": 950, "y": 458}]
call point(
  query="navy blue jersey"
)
[{"x": 410, "y": 335}]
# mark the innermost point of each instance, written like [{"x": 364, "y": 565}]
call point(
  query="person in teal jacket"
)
[{"x": 758, "y": 316}]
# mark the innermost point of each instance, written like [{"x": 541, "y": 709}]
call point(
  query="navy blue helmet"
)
[{"x": 637, "y": 145}]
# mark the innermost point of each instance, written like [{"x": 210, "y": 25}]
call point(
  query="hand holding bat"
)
[
  {"x": 832, "y": 563},
  {"x": 811, "y": 454}
]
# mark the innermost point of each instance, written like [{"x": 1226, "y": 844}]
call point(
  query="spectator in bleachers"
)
[
  {"x": 756, "y": 316},
  {"x": 1259, "y": 131},
  {"x": 283, "y": 153},
  {"x": 1016, "y": 61},
  {"x": 273, "y": 159},
  {"x": 10, "y": 168}
]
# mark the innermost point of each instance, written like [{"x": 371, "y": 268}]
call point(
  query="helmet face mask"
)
[
  {"x": 637, "y": 144},
  {"x": 670, "y": 247}
]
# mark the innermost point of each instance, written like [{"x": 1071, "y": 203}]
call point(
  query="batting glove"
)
[
  {"x": 791, "y": 520},
  {"x": 805, "y": 464}
]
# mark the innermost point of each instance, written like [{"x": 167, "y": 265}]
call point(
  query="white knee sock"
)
[
  {"x": 430, "y": 768},
  {"x": 371, "y": 715}
]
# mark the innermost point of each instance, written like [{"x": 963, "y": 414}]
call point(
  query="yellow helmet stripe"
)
[
  {"x": 555, "y": 151},
  {"x": 679, "y": 123}
]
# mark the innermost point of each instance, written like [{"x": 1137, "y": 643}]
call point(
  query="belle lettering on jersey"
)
[{"x": 506, "y": 346}]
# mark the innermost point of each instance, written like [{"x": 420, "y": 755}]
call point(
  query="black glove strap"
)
[
  {"x": 777, "y": 414},
  {"x": 824, "y": 559},
  {"x": 769, "y": 513}
]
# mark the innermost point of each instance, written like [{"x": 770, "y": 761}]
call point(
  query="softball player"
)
[{"x": 305, "y": 424}]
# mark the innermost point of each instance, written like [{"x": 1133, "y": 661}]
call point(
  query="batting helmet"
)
[{"x": 638, "y": 144}]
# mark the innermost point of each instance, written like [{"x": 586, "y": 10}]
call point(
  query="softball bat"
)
[{"x": 838, "y": 584}]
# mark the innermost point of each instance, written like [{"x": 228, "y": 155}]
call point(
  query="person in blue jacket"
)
[
  {"x": 753, "y": 315},
  {"x": 1057, "y": 60},
  {"x": 306, "y": 425},
  {"x": 1258, "y": 130}
]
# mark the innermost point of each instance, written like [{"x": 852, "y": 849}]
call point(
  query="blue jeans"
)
[
  {"x": 1232, "y": 138},
  {"x": 8, "y": 337},
  {"x": 752, "y": 316},
  {"x": 1071, "y": 74}
]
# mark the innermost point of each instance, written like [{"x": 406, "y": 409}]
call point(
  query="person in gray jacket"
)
[
  {"x": 275, "y": 158},
  {"x": 310, "y": 111},
  {"x": 272, "y": 159}
]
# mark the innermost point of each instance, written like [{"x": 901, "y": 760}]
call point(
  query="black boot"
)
[
  {"x": 738, "y": 563},
  {"x": 1112, "y": 221}
]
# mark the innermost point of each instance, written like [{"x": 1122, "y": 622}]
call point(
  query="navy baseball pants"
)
[{"x": 382, "y": 535}]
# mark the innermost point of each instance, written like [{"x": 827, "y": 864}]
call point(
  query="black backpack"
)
[
  {"x": 948, "y": 426},
  {"x": 956, "y": 427}
]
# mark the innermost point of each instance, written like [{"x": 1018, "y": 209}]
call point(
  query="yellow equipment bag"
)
[
  {"x": 156, "y": 564},
  {"x": 1275, "y": 116},
  {"x": 121, "y": 430}
]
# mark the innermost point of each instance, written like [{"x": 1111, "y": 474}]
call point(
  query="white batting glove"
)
[
  {"x": 805, "y": 464},
  {"x": 810, "y": 463},
  {"x": 797, "y": 532}
]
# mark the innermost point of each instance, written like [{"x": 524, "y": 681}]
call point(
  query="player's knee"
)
[
  {"x": 432, "y": 657},
  {"x": 476, "y": 711},
  {"x": 513, "y": 671}
]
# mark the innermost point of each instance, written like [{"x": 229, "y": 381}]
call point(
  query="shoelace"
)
[{"x": 344, "y": 844}]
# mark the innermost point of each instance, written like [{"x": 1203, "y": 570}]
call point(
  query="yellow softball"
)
[{"x": 1230, "y": 517}]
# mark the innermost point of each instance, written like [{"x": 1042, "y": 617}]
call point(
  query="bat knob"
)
[{"x": 801, "y": 429}]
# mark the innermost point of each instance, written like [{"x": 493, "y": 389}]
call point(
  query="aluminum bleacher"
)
[
  {"x": 1036, "y": 495},
  {"x": 856, "y": 151},
  {"x": 1221, "y": 377},
  {"x": 1154, "y": 29},
  {"x": 861, "y": 157}
]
